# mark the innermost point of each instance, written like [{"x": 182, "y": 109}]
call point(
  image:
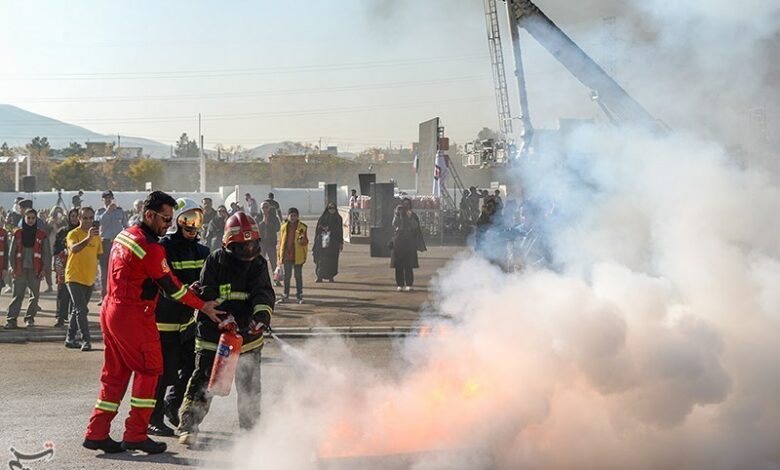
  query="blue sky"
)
[{"x": 352, "y": 72}]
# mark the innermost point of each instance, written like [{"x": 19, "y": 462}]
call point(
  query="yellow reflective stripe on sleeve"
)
[
  {"x": 107, "y": 406},
  {"x": 233, "y": 296},
  {"x": 184, "y": 326},
  {"x": 167, "y": 327},
  {"x": 142, "y": 402},
  {"x": 205, "y": 345},
  {"x": 191, "y": 264},
  {"x": 252, "y": 345},
  {"x": 131, "y": 245},
  {"x": 263, "y": 308},
  {"x": 179, "y": 293}
]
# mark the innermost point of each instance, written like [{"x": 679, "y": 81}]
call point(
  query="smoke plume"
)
[{"x": 649, "y": 341}]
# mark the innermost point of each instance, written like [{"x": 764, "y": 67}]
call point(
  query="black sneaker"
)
[
  {"x": 107, "y": 445},
  {"x": 86, "y": 347},
  {"x": 10, "y": 325},
  {"x": 319, "y": 279},
  {"x": 30, "y": 323},
  {"x": 59, "y": 324},
  {"x": 72, "y": 344},
  {"x": 149, "y": 446},
  {"x": 160, "y": 429}
]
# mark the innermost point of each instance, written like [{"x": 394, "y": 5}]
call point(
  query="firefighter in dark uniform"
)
[
  {"x": 176, "y": 321},
  {"x": 137, "y": 270},
  {"x": 237, "y": 277}
]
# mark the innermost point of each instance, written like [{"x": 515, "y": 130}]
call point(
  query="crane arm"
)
[{"x": 616, "y": 102}]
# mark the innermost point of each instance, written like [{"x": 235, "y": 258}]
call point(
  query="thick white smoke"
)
[
  {"x": 653, "y": 340},
  {"x": 653, "y": 345}
]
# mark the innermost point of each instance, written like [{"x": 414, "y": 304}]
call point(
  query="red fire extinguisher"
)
[{"x": 226, "y": 361}]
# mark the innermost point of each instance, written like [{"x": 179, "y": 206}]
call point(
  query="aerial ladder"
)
[{"x": 619, "y": 107}]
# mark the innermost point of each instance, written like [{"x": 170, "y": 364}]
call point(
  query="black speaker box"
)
[
  {"x": 331, "y": 194},
  {"x": 382, "y": 204},
  {"x": 380, "y": 239},
  {"x": 365, "y": 183},
  {"x": 28, "y": 184}
]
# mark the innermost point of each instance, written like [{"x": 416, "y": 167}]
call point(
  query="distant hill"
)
[{"x": 18, "y": 127}]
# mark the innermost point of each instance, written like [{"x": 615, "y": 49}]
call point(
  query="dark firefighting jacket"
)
[
  {"x": 243, "y": 289},
  {"x": 186, "y": 259}
]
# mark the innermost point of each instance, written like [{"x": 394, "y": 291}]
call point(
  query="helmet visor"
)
[
  {"x": 192, "y": 219},
  {"x": 246, "y": 251}
]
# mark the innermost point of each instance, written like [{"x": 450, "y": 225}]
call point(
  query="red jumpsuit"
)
[{"x": 137, "y": 269}]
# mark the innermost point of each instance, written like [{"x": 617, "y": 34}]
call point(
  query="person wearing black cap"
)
[{"x": 112, "y": 221}]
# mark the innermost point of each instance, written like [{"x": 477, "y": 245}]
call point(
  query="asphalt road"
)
[
  {"x": 47, "y": 394},
  {"x": 364, "y": 294}
]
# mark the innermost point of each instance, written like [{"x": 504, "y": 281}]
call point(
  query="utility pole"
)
[
  {"x": 16, "y": 182},
  {"x": 202, "y": 160}
]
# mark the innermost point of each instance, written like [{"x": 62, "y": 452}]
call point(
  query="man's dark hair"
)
[
  {"x": 85, "y": 209},
  {"x": 247, "y": 194},
  {"x": 270, "y": 195},
  {"x": 157, "y": 199},
  {"x": 293, "y": 210},
  {"x": 207, "y": 199}
]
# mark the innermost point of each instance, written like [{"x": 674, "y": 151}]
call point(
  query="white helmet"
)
[{"x": 187, "y": 213}]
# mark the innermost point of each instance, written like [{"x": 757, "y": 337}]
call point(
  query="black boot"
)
[
  {"x": 172, "y": 415},
  {"x": 107, "y": 445},
  {"x": 149, "y": 446},
  {"x": 160, "y": 429}
]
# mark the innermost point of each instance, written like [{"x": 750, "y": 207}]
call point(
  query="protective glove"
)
[
  {"x": 228, "y": 324},
  {"x": 260, "y": 322},
  {"x": 256, "y": 328}
]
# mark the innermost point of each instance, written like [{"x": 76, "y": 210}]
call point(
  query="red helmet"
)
[{"x": 242, "y": 236}]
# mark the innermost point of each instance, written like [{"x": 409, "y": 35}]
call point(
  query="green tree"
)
[
  {"x": 5, "y": 150},
  {"x": 39, "y": 148},
  {"x": 73, "y": 150},
  {"x": 186, "y": 148},
  {"x": 71, "y": 174},
  {"x": 146, "y": 170}
]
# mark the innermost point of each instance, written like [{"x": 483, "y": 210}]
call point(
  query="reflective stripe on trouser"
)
[
  {"x": 132, "y": 348},
  {"x": 197, "y": 400}
]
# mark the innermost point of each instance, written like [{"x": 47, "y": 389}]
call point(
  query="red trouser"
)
[{"x": 132, "y": 345}]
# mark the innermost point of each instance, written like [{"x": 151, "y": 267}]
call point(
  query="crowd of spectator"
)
[{"x": 69, "y": 249}]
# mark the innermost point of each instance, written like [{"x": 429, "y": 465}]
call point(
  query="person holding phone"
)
[{"x": 84, "y": 250}]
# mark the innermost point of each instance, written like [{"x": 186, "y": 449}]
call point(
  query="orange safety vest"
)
[{"x": 40, "y": 235}]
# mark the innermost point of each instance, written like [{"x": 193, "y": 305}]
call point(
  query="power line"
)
[
  {"x": 379, "y": 86},
  {"x": 242, "y": 116},
  {"x": 233, "y": 72}
]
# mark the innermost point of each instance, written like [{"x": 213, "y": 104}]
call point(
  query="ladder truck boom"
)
[{"x": 619, "y": 106}]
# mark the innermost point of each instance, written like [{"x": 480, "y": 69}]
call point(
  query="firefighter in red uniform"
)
[{"x": 137, "y": 270}]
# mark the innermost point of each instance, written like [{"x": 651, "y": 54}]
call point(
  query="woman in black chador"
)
[{"x": 328, "y": 243}]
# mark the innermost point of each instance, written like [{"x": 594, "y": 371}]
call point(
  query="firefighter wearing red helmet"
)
[
  {"x": 237, "y": 277},
  {"x": 137, "y": 271}
]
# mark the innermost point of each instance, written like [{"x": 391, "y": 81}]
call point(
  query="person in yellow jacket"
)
[{"x": 293, "y": 245}]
